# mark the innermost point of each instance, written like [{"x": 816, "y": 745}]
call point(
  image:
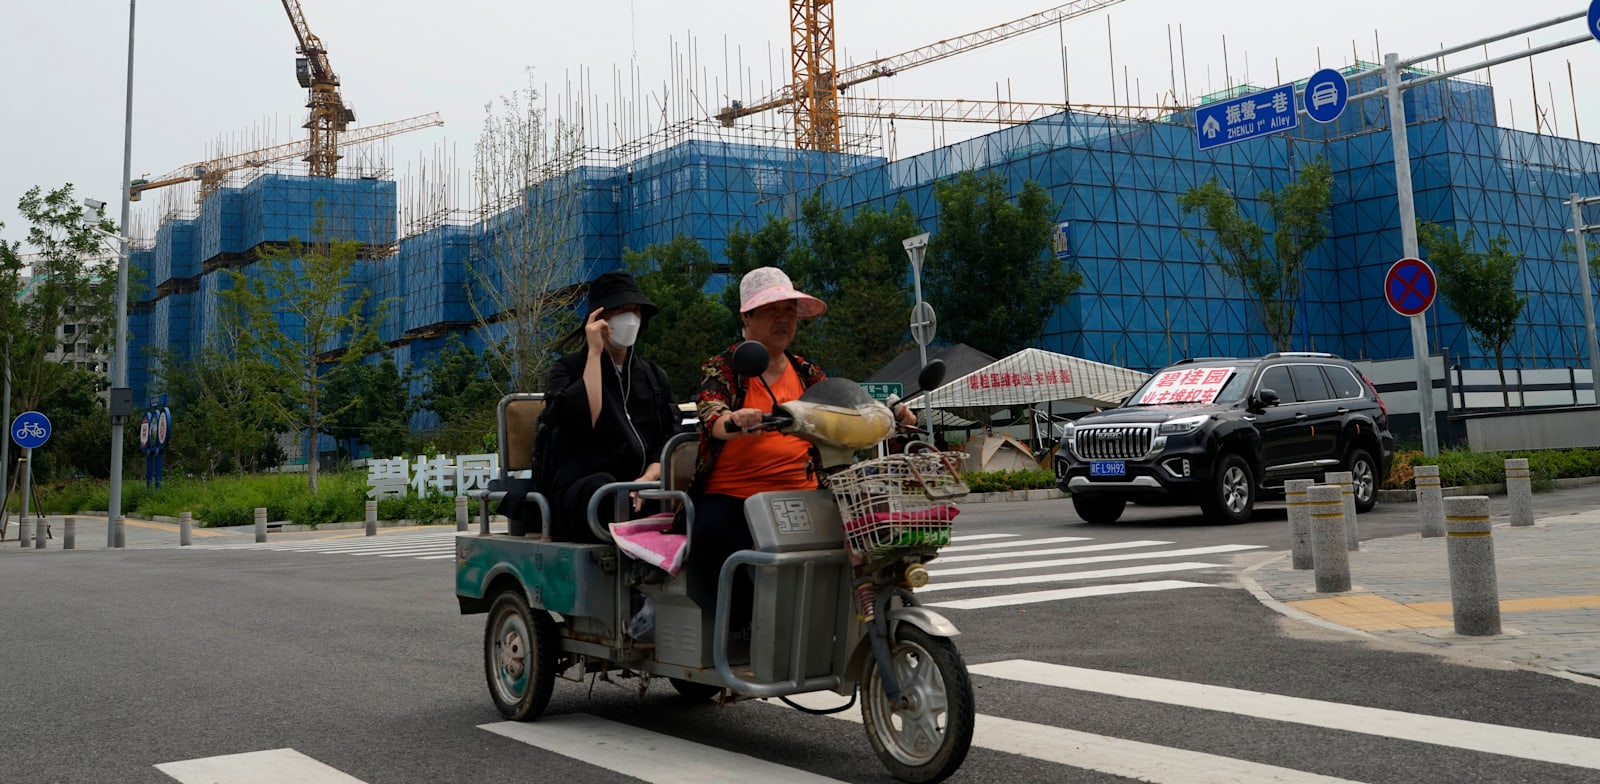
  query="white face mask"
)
[{"x": 624, "y": 329}]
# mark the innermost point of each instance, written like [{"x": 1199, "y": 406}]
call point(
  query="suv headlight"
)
[{"x": 1178, "y": 427}]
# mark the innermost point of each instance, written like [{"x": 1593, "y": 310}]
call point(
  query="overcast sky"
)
[{"x": 210, "y": 69}]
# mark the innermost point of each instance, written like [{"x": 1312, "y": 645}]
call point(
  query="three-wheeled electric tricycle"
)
[{"x": 833, "y": 570}]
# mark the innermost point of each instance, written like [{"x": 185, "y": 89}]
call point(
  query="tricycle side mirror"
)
[
  {"x": 932, "y": 375},
  {"x": 750, "y": 358}
]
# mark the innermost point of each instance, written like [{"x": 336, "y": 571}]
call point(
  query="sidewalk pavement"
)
[
  {"x": 1549, "y": 585},
  {"x": 90, "y": 533}
]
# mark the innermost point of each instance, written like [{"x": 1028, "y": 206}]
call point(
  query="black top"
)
[{"x": 619, "y": 444}]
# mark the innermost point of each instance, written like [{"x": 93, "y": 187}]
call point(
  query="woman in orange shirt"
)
[{"x": 734, "y": 462}]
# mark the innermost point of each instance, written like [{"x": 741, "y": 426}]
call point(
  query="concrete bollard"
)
[
  {"x": 372, "y": 518},
  {"x": 1328, "y": 553},
  {"x": 461, "y": 513},
  {"x": 1474, "y": 588},
  {"x": 117, "y": 532},
  {"x": 40, "y": 528},
  {"x": 1519, "y": 490},
  {"x": 69, "y": 533},
  {"x": 25, "y": 532},
  {"x": 1346, "y": 482},
  {"x": 1296, "y": 494},
  {"x": 185, "y": 529},
  {"x": 1430, "y": 501},
  {"x": 261, "y": 524}
]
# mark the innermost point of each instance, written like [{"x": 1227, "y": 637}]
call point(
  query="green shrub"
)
[
  {"x": 1000, "y": 481},
  {"x": 1462, "y": 467}
]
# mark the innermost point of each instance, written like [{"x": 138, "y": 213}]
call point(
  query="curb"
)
[
  {"x": 1410, "y": 496},
  {"x": 1014, "y": 495}
]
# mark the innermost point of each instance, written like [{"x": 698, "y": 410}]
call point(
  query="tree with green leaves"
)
[
  {"x": 772, "y": 245},
  {"x": 222, "y": 419},
  {"x": 691, "y": 324},
  {"x": 1480, "y": 287},
  {"x": 368, "y": 404},
  {"x": 463, "y": 391},
  {"x": 989, "y": 272},
  {"x": 291, "y": 306},
  {"x": 1299, "y": 217},
  {"x": 858, "y": 265},
  {"x": 66, "y": 279}
]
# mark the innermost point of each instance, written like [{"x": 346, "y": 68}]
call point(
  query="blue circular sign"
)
[
  {"x": 163, "y": 427},
  {"x": 1410, "y": 287},
  {"x": 1594, "y": 19},
  {"x": 30, "y": 429},
  {"x": 1326, "y": 94}
]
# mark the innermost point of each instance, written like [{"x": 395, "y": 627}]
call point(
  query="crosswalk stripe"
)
[
  {"x": 1213, "y": 550},
  {"x": 1034, "y": 597},
  {"x": 978, "y": 537},
  {"x": 256, "y": 767},
  {"x": 1035, "y": 579},
  {"x": 435, "y": 557},
  {"x": 1439, "y": 731},
  {"x": 646, "y": 755},
  {"x": 961, "y": 548},
  {"x": 1087, "y": 548},
  {"x": 1131, "y": 759}
]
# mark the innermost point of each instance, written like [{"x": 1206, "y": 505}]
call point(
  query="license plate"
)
[{"x": 1108, "y": 468}]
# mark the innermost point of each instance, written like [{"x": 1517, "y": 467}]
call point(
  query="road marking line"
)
[
  {"x": 256, "y": 767},
  {"x": 1011, "y": 543},
  {"x": 650, "y": 756},
  {"x": 1221, "y": 548},
  {"x": 1034, "y": 597},
  {"x": 1062, "y": 577},
  {"x": 977, "y": 537},
  {"x": 1131, "y": 759},
  {"x": 1088, "y": 548},
  {"x": 1453, "y": 733},
  {"x": 434, "y": 557}
]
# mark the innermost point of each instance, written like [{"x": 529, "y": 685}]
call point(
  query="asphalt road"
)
[{"x": 117, "y": 662}]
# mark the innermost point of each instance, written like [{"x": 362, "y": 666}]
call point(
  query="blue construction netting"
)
[
  {"x": 174, "y": 255},
  {"x": 1151, "y": 294},
  {"x": 222, "y": 225}
]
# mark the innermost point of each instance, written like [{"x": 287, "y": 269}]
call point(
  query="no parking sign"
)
[{"x": 1410, "y": 287}]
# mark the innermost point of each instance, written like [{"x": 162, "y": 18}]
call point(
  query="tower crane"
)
[
  {"x": 814, "y": 90},
  {"x": 328, "y": 115},
  {"x": 212, "y": 173}
]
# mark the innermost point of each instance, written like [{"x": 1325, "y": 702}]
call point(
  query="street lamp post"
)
[{"x": 121, "y": 399}]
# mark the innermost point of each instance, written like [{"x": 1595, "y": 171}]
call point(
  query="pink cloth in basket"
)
[
  {"x": 650, "y": 539},
  {"x": 932, "y": 514}
]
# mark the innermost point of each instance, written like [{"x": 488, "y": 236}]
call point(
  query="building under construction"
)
[{"x": 1150, "y": 294}]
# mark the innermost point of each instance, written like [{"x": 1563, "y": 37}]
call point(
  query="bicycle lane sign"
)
[{"x": 30, "y": 429}]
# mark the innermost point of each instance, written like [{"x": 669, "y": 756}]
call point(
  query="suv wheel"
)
[
  {"x": 1365, "y": 472},
  {"x": 1098, "y": 509},
  {"x": 1233, "y": 491}
]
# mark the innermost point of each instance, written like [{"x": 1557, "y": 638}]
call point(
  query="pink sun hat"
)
[{"x": 766, "y": 285}]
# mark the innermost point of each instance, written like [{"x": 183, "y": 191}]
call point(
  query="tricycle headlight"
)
[{"x": 1178, "y": 427}]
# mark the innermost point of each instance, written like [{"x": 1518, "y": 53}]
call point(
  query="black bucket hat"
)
[{"x": 615, "y": 289}]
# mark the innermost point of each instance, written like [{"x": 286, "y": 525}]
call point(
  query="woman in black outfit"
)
[{"x": 610, "y": 411}]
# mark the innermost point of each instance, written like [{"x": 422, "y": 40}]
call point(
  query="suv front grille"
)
[{"x": 1113, "y": 442}]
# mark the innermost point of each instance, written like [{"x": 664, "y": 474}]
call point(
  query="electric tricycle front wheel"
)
[{"x": 927, "y": 739}]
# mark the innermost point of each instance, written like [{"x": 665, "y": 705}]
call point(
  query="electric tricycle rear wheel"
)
[
  {"x": 927, "y": 740},
  {"x": 519, "y": 657}
]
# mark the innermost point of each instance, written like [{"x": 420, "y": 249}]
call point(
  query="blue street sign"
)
[
  {"x": 1594, "y": 19},
  {"x": 1326, "y": 94},
  {"x": 30, "y": 429},
  {"x": 156, "y": 401},
  {"x": 1257, "y": 114},
  {"x": 1410, "y": 287}
]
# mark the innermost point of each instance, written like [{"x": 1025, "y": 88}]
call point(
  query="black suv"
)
[{"x": 1223, "y": 433}]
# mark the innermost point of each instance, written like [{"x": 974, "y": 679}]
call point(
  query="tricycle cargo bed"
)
[{"x": 566, "y": 578}]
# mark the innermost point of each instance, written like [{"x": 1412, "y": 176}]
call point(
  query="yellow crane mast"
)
[{"x": 328, "y": 115}]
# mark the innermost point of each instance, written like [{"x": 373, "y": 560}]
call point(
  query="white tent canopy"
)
[{"x": 1036, "y": 376}]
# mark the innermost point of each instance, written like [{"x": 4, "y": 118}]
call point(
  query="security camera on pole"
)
[{"x": 923, "y": 320}]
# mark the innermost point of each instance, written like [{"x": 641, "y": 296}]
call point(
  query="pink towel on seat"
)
[{"x": 650, "y": 539}]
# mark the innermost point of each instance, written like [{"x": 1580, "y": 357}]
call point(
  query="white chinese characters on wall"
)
[{"x": 394, "y": 477}]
